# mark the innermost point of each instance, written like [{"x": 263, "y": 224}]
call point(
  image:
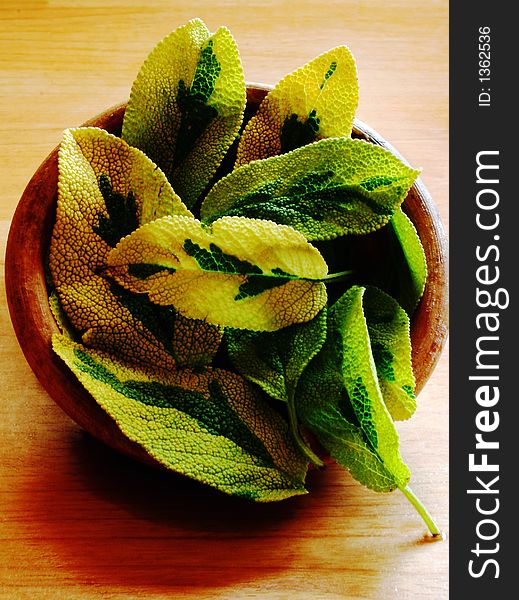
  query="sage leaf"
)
[
  {"x": 62, "y": 321},
  {"x": 330, "y": 188},
  {"x": 210, "y": 426},
  {"x": 408, "y": 266},
  {"x": 242, "y": 273},
  {"x": 316, "y": 101},
  {"x": 194, "y": 342},
  {"x": 186, "y": 105},
  {"x": 106, "y": 188},
  {"x": 276, "y": 360},
  {"x": 389, "y": 335},
  {"x": 189, "y": 342},
  {"x": 339, "y": 399}
]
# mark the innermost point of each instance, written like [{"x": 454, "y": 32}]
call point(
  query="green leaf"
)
[
  {"x": 395, "y": 260},
  {"x": 389, "y": 335},
  {"x": 105, "y": 189},
  {"x": 339, "y": 399},
  {"x": 330, "y": 188},
  {"x": 210, "y": 426},
  {"x": 316, "y": 101},
  {"x": 411, "y": 276},
  {"x": 186, "y": 105},
  {"x": 276, "y": 360},
  {"x": 241, "y": 273}
]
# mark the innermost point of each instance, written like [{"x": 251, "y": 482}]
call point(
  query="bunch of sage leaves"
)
[{"x": 190, "y": 264}]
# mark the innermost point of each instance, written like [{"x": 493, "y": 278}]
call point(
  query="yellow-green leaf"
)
[
  {"x": 330, "y": 188},
  {"x": 186, "y": 105},
  {"x": 316, "y": 101},
  {"x": 389, "y": 336},
  {"x": 210, "y": 426},
  {"x": 242, "y": 273},
  {"x": 62, "y": 321},
  {"x": 106, "y": 189}
]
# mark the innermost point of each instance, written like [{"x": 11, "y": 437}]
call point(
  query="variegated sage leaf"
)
[
  {"x": 316, "y": 101},
  {"x": 186, "y": 105},
  {"x": 275, "y": 361},
  {"x": 106, "y": 189},
  {"x": 330, "y": 188},
  {"x": 211, "y": 426},
  {"x": 242, "y": 273}
]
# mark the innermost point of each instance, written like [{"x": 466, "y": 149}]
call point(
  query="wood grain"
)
[{"x": 78, "y": 520}]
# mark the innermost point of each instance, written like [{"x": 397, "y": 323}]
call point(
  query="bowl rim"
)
[{"x": 29, "y": 309}]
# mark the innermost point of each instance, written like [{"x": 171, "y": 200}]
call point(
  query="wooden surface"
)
[{"x": 79, "y": 521}]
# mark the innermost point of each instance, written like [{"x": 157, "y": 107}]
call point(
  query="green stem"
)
[
  {"x": 294, "y": 428},
  {"x": 340, "y": 276},
  {"x": 422, "y": 511}
]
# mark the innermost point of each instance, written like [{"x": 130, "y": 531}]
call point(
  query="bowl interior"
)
[{"x": 27, "y": 248}]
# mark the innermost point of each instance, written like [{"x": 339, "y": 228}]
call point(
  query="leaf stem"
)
[
  {"x": 422, "y": 511},
  {"x": 340, "y": 276},
  {"x": 294, "y": 428}
]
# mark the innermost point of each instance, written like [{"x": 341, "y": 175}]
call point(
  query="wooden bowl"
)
[{"x": 27, "y": 247}]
